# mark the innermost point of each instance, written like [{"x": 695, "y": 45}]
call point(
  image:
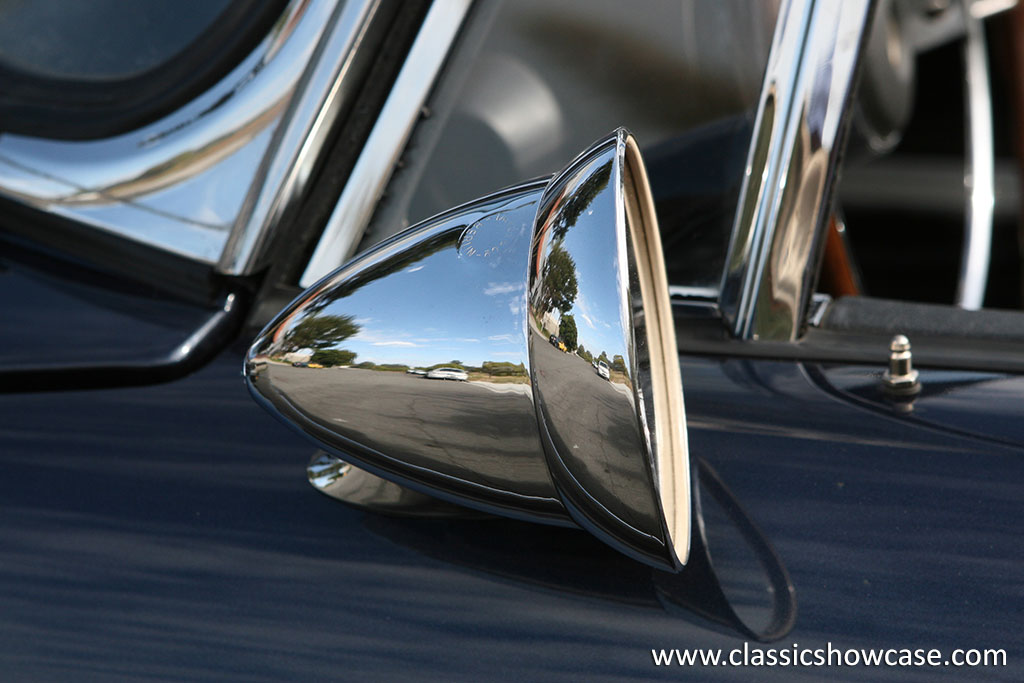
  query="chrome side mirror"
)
[{"x": 516, "y": 355}]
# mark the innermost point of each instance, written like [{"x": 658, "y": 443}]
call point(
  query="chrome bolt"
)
[{"x": 901, "y": 377}]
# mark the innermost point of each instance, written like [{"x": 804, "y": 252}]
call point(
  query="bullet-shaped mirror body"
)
[{"x": 516, "y": 355}]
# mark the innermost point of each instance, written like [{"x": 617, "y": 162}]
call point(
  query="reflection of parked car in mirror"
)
[
  {"x": 602, "y": 369},
  {"x": 558, "y": 343},
  {"x": 448, "y": 373},
  {"x": 300, "y": 364}
]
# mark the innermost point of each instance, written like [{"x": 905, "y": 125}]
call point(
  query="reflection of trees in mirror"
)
[
  {"x": 498, "y": 372},
  {"x": 620, "y": 372},
  {"x": 503, "y": 369},
  {"x": 560, "y": 286},
  {"x": 320, "y": 332},
  {"x": 567, "y": 331},
  {"x": 332, "y": 357},
  {"x": 571, "y": 210},
  {"x": 382, "y": 367}
]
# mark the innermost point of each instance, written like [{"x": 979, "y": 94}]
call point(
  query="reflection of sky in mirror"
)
[
  {"x": 600, "y": 319},
  {"x": 449, "y": 305}
]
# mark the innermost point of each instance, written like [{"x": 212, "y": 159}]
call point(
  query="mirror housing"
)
[{"x": 515, "y": 355}]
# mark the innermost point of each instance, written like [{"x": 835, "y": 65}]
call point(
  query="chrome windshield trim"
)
[
  {"x": 224, "y": 165},
  {"x": 791, "y": 166},
  {"x": 979, "y": 175},
  {"x": 387, "y": 139}
]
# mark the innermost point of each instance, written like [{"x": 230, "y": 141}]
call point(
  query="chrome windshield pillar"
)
[{"x": 791, "y": 166}]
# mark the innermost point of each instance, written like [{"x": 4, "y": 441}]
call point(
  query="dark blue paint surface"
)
[
  {"x": 48, "y": 320},
  {"x": 168, "y": 531}
]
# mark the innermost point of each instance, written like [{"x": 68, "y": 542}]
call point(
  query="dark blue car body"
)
[{"x": 168, "y": 531}]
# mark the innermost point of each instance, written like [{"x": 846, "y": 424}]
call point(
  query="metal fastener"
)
[{"x": 901, "y": 377}]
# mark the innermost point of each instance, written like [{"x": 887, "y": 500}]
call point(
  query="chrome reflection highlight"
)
[
  {"x": 339, "y": 479},
  {"x": 979, "y": 174},
  {"x": 463, "y": 359}
]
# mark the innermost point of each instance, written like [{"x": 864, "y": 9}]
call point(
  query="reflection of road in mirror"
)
[
  {"x": 597, "y": 440},
  {"x": 480, "y": 427}
]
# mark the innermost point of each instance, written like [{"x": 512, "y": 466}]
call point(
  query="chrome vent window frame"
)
[
  {"x": 103, "y": 183},
  {"x": 217, "y": 180}
]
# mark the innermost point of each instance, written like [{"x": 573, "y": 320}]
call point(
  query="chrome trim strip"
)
[
  {"x": 182, "y": 183},
  {"x": 791, "y": 166},
  {"x": 387, "y": 140},
  {"x": 979, "y": 174},
  {"x": 289, "y": 161}
]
